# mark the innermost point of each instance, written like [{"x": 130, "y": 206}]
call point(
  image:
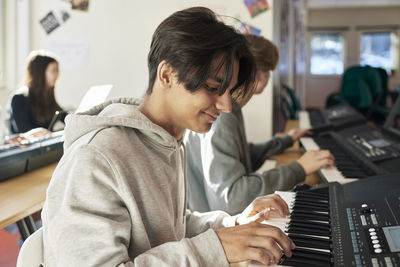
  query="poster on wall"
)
[
  {"x": 64, "y": 15},
  {"x": 49, "y": 22},
  {"x": 256, "y": 7},
  {"x": 82, "y": 5},
  {"x": 239, "y": 25},
  {"x": 247, "y": 28}
]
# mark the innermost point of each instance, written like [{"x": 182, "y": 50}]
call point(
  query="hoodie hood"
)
[{"x": 121, "y": 112}]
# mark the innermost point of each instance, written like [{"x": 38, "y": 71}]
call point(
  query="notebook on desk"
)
[{"x": 94, "y": 96}]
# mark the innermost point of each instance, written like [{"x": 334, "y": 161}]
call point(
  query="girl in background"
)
[{"x": 34, "y": 104}]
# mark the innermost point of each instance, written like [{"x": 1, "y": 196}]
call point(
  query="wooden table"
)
[{"x": 22, "y": 196}]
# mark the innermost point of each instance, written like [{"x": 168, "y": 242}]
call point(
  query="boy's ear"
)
[{"x": 165, "y": 74}]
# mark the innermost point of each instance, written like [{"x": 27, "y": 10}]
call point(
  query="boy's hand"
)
[
  {"x": 314, "y": 160},
  {"x": 296, "y": 134},
  {"x": 255, "y": 241},
  {"x": 262, "y": 208}
]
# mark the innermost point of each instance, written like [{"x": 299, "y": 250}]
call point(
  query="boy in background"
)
[{"x": 222, "y": 164}]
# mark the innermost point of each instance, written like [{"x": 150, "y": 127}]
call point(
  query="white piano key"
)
[
  {"x": 304, "y": 119},
  {"x": 309, "y": 143}
]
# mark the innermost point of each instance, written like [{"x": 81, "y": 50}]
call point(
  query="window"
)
[
  {"x": 379, "y": 50},
  {"x": 326, "y": 54}
]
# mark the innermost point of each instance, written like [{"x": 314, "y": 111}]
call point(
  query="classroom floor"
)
[{"x": 9, "y": 248}]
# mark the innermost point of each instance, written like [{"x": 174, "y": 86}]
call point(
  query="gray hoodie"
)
[{"x": 118, "y": 196}]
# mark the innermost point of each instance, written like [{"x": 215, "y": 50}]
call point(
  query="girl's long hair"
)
[{"x": 42, "y": 98}]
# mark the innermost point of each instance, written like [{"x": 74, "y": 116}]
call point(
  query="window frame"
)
[
  {"x": 310, "y": 33},
  {"x": 396, "y": 32}
]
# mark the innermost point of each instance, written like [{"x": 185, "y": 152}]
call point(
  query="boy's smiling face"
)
[{"x": 198, "y": 110}]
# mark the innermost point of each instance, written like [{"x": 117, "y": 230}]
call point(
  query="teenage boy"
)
[{"x": 118, "y": 195}]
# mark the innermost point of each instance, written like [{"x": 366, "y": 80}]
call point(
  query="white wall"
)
[
  {"x": 258, "y": 112},
  {"x": 118, "y": 35}
]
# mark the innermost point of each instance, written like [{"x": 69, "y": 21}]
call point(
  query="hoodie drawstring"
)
[{"x": 183, "y": 151}]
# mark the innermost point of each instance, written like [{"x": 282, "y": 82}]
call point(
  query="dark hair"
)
[
  {"x": 42, "y": 98},
  {"x": 190, "y": 40},
  {"x": 265, "y": 52}
]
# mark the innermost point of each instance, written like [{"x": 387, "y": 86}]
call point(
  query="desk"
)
[
  {"x": 293, "y": 153},
  {"x": 24, "y": 195}
]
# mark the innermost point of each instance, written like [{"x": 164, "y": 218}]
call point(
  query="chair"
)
[
  {"x": 364, "y": 88},
  {"x": 290, "y": 103},
  {"x": 31, "y": 252}
]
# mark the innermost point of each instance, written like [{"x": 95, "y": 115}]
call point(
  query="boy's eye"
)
[{"x": 211, "y": 89}]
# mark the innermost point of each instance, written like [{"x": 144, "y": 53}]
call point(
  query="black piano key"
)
[
  {"x": 312, "y": 196},
  {"x": 308, "y": 220},
  {"x": 310, "y": 237},
  {"x": 314, "y": 193},
  {"x": 308, "y": 198},
  {"x": 308, "y": 231},
  {"x": 353, "y": 169},
  {"x": 310, "y": 215},
  {"x": 295, "y": 220},
  {"x": 317, "y": 225},
  {"x": 311, "y": 207},
  {"x": 316, "y": 118},
  {"x": 353, "y": 174},
  {"x": 310, "y": 211},
  {"x": 310, "y": 202},
  {"x": 301, "y": 262},
  {"x": 349, "y": 168},
  {"x": 289, "y": 262},
  {"x": 311, "y": 244},
  {"x": 316, "y": 254},
  {"x": 344, "y": 163},
  {"x": 310, "y": 241}
]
